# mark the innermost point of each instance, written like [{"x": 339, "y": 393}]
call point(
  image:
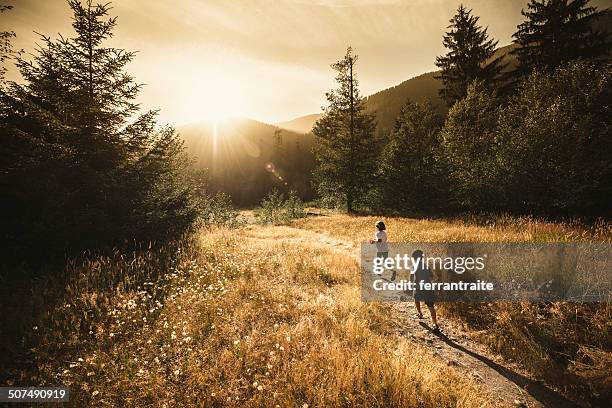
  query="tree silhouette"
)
[
  {"x": 346, "y": 150},
  {"x": 411, "y": 174},
  {"x": 558, "y": 31},
  {"x": 6, "y": 48},
  {"x": 79, "y": 171},
  {"x": 469, "y": 57}
]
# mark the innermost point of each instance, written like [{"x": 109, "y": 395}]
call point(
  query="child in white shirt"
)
[{"x": 380, "y": 239}]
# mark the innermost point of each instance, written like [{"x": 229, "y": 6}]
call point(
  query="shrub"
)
[
  {"x": 294, "y": 206},
  {"x": 275, "y": 209},
  {"x": 218, "y": 210},
  {"x": 555, "y": 142}
]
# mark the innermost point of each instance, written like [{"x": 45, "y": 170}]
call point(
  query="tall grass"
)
[
  {"x": 46, "y": 319},
  {"x": 229, "y": 319},
  {"x": 566, "y": 344}
]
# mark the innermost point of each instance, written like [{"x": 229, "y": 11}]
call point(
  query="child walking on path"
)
[
  {"x": 422, "y": 274},
  {"x": 380, "y": 239}
]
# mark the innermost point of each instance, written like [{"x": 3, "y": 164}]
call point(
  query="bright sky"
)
[{"x": 267, "y": 60}]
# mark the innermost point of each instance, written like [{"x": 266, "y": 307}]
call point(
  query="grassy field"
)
[
  {"x": 272, "y": 316},
  {"x": 566, "y": 344}
]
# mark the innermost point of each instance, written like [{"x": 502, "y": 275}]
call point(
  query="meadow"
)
[{"x": 272, "y": 316}]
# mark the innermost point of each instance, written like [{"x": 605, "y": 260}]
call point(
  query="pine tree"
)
[
  {"x": 469, "y": 57},
  {"x": 346, "y": 147},
  {"x": 78, "y": 170},
  {"x": 558, "y": 31},
  {"x": 278, "y": 150},
  {"x": 470, "y": 150},
  {"x": 411, "y": 173},
  {"x": 6, "y": 48}
]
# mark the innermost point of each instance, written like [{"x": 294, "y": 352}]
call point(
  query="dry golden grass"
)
[
  {"x": 566, "y": 344},
  {"x": 245, "y": 321},
  {"x": 359, "y": 229},
  {"x": 272, "y": 316}
]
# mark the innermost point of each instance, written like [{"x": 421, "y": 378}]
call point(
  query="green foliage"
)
[
  {"x": 218, "y": 210},
  {"x": 469, "y": 57},
  {"x": 411, "y": 174},
  {"x": 272, "y": 208},
  {"x": 78, "y": 171},
  {"x": 346, "y": 147},
  {"x": 555, "y": 141},
  {"x": 546, "y": 151},
  {"x": 558, "y": 31},
  {"x": 6, "y": 48},
  {"x": 294, "y": 206},
  {"x": 469, "y": 149},
  {"x": 275, "y": 209}
]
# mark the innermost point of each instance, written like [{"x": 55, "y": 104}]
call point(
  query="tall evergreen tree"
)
[
  {"x": 346, "y": 147},
  {"x": 6, "y": 48},
  {"x": 470, "y": 57},
  {"x": 77, "y": 170},
  {"x": 470, "y": 149},
  {"x": 557, "y": 31},
  {"x": 411, "y": 173}
]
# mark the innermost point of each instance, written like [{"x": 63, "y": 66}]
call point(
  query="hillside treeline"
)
[
  {"x": 531, "y": 138},
  {"x": 82, "y": 167},
  {"x": 248, "y": 159}
]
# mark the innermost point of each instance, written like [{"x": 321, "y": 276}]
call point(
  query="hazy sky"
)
[{"x": 268, "y": 60}]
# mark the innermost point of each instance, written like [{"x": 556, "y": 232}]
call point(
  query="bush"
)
[
  {"x": 218, "y": 210},
  {"x": 555, "y": 145},
  {"x": 294, "y": 206},
  {"x": 469, "y": 149},
  {"x": 275, "y": 209}
]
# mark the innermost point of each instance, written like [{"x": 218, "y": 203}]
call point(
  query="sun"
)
[{"x": 215, "y": 99}]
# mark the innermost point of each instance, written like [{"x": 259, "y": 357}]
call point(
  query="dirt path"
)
[{"x": 509, "y": 386}]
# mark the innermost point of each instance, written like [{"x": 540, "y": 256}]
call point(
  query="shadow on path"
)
[{"x": 543, "y": 394}]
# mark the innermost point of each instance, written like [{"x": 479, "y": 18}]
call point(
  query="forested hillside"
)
[
  {"x": 388, "y": 102},
  {"x": 246, "y": 158}
]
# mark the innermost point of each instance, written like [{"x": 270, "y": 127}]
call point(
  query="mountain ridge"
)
[{"x": 388, "y": 102}]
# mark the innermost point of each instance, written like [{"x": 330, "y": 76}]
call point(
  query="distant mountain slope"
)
[
  {"x": 302, "y": 124},
  {"x": 240, "y": 154},
  {"x": 388, "y": 102}
]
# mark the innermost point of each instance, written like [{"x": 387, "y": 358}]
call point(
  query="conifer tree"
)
[
  {"x": 469, "y": 57},
  {"x": 411, "y": 173},
  {"x": 558, "y": 31},
  {"x": 470, "y": 150},
  {"x": 78, "y": 170},
  {"x": 6, "y": 48},
  {"x": 346, "y": 147}
]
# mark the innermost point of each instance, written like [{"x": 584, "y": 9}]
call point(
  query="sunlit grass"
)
[
  {"x": 567, "y": 344},
  {"x": 247, "y": 322},
  {"x": 359, "y": 229},
  {"x": 272, "y": 316}
]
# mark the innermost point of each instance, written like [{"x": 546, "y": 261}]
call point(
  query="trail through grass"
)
[
  {"x": 272, "y": 316},
  {"x": 252, "y": 321}
]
